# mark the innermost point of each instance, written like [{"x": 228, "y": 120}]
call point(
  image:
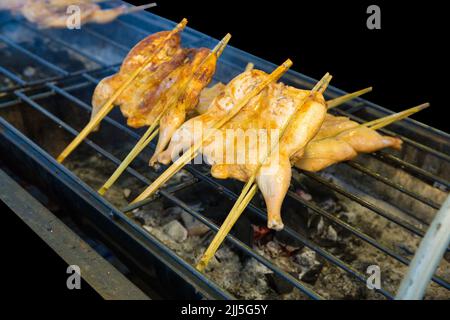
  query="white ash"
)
[
  {"x": 126, "y": 193},
  {"x": 193, "y": 226},
  {"x": 307, "y": 261},
  {"x": 331, "y": 234},
  {"x": 246, "y": 279},
  {"x": 176, "y": 231}
]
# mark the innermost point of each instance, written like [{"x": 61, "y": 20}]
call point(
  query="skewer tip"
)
[
  {"x": 181, "y": 25},
  {"x": 218, "y": 49},
  {"x": 288, "y": 63},
  {"x": 423, "y": 106}
]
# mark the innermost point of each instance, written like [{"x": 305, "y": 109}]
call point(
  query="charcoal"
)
[
  {"x": 176, "y": 231},
  {"x": 309, "y": 264},
  {"x": 193, "y": 226},
  {"x": 278, "y": 284}
]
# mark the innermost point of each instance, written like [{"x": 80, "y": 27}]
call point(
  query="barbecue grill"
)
[{"x": 46, "y": 81}]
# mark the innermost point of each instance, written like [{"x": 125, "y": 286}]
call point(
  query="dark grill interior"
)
[{"x": 46, "y": 82}]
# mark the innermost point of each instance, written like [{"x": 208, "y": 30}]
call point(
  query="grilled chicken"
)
[
  {"x": 53, "y": 13},
  {"x": 338, "y": 140},
  {"x": 171, "y": 85},
  {"x": 265, "y": 115},
  {"x": 331, "y": 144}
]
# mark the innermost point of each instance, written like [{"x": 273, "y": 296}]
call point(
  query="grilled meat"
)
[
  {"x": 338, "y": 140},
  {"x": 264, "y": 116},
  {"x": 170, "y": 85},
  {"x": 53, "y": 13}
]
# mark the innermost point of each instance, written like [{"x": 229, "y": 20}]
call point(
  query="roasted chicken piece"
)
[
  {"x": 207, "y": 96},
  {"x": 241, "y": 144},
  {"x": 53, "y": 13},
  {"x": 340, "y": 139},
  {"x": 170, "y": 85}
]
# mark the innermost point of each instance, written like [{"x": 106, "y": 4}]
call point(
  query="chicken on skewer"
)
[
  {"x": 237, "y": 99},
  {"x": 137, "y": 66},
  {"x": 265, "y": 113},
  {"x": 54, "y": 13},
  {"x": 250, "y": 188},
  {"x": 182, "y": 89},
  {"x": 341, "y": 139}
]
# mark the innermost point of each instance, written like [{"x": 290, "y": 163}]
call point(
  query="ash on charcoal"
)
[
  {"x": 331, "y": 234},
  {"x": 310, "y": 267},
  {"x": 280, "y": 285},
  {"x": 193, "y": 226},
  {"x": 247, "y": 279},
  {"x": 176, "y": 231},
  {"x": 126, "y": 193}
]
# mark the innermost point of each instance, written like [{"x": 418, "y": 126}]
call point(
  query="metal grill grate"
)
[{"x": 63, "y": 81}]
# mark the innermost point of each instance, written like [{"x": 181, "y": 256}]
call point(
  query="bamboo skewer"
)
[
  {"x": 345, "y": 98},
  {"x": 384, "y": 121},
  {"x": 249, "y": 191},
  {"x": 250, "y": 188},
  {"x": 249, "y": 66},
  {"x": 109, "y": 104},
  {"x": 152, "y": 130},
  {"x": 143, "y": 7},
  {"x": 192, "y": 151},
  {"x": 375, "y": 125}
]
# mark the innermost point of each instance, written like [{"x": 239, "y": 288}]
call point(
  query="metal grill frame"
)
[{"x": 53, "y": 87}]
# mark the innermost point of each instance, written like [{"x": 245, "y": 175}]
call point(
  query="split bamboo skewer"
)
[
  {"x": 249, "y": 66},
  {"x": 152, "y": 131},
  {"x": 192, "y": 151},
  {"x": 250, "y": 188},
  {"x": 350, "y": 96},
  {"x": 249, "y": 192},
  {"x": 143, "y": 7},
  {"x": 382, "y": 122},
  {"x": 109, "y": 104}
]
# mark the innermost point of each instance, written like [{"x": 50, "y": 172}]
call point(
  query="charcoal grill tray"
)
[{"x": 110, "y": 45}]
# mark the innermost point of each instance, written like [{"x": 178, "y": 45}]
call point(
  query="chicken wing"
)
[{"x": 338, "y": 140}]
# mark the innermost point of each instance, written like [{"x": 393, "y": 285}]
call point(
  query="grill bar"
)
[
  {"x": 302, "y": 287},
  {"x": 402, "y": 164},
  {"x": 34, "y": 56},
  {"x": 65, "y": 92},
  {"x": 28, "y": 85},
  {"x": 407, "y": 140},
  {"x": 356, "y": 165},
  {"x": 212, "y": 182},
  {"x": 365, "y": 203},
  {"x": 362, "y": 236},
  {"x": 11, "y": 75}
]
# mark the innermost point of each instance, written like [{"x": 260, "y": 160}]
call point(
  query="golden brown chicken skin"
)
[
  {"x": 53, "y": 13},
  {"x": 193, "y": 77},
  {"x": 337, "y": 142},
  {"x": 139, "y": 97},
  {"x": 165, "y": 91},
  {"x": 265, "y": 115}
]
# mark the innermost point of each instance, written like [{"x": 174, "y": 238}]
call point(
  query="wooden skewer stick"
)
[
  {"x": 192, "y": 151},
  {"x": 250, "y": 188},
  {"x": 151, "y": 132},
  {"x": 143, "y": 7},
  {"x": 109, "y": 104},
  {"x": 382, "y": 122},
  {"x": 343, "y": 99},
  {"x": 249, "y": 66}
]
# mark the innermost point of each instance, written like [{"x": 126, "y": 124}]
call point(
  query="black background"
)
[{"x": 405, "y": 62}]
